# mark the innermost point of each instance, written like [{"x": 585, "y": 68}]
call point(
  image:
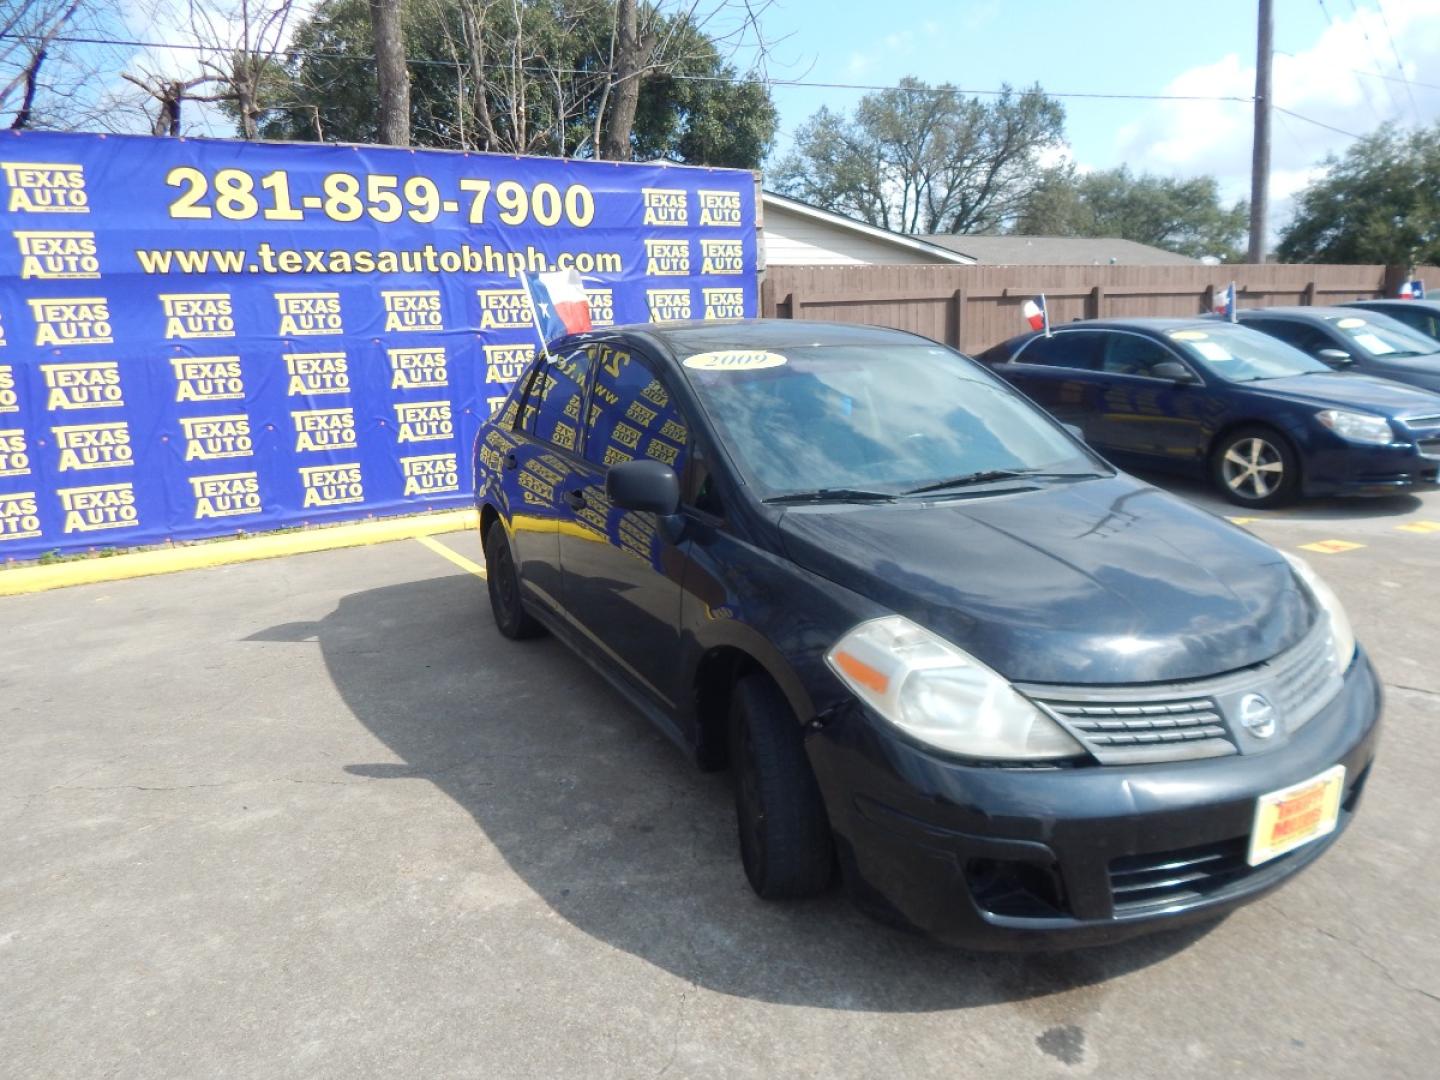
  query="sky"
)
[
  {"x": 1131, "y": 47},
  {"x": 1325, "y": 48}
]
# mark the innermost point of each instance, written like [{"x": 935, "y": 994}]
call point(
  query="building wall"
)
[{"x": 793, "y": 239}]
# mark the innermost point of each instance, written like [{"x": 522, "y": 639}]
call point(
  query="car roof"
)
[
  {"x": 688, "y": 338},
  {"x": 1299, "y": 312},
  {"x": 1392, "y": 301}
]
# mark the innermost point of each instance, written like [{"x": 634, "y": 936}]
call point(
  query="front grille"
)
[
  {"x": 1148, "y": 730},
  {"x": 1426, "y": 432},
  {"x": 1143, "y": 883},
  {"x": 1305, "y": 679},
  {"x": 1126, "y": 725}
]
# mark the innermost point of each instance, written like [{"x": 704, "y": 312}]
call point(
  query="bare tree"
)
[
  {"x": 391, "y": 75},
  {"x": 27, "y": 34},
  {"x": 230, "y": 51}
]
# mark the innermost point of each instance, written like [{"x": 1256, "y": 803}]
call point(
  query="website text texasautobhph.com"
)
[{"x": 427, "y": 259}]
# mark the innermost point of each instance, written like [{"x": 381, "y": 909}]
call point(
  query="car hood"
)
[
  {"x": 1103, "y": 581},
  {"x": 1339, "y": 389}
]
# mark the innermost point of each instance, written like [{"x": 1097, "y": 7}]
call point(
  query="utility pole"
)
[{"x": 1260, "y": 159}]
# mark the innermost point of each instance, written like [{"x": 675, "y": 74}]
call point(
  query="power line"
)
[
  {"x": 1364, "y": 33},
  {"x": 1399, "y": 64},
  {"x": 786, "y": 83},
  {"x": 1317, "y": 123},
  {"x": 1364, "y": 87}
]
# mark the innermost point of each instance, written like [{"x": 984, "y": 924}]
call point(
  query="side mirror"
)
[
  {"x": 644, "y": 485},
  {"x": 1336, "y": 358},
  {"x": 1173, "y": 370}
]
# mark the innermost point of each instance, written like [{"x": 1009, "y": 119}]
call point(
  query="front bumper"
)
[
  {"x": 1336, "y": 467},
  {"x": 1047, "y": 858}
]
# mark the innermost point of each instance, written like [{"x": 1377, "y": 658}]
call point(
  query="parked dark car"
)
[
  {"x": 1213, "y": 399},
  {"x": 1422, "y": 315},
  {"x": 1018, "y": 698},
  {"x": 1367, "y": 342}
]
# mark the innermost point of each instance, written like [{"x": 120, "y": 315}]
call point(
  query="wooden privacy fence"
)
[{"x": 974, "y": 307}]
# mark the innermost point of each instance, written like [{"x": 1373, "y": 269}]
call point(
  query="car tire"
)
[
  {"x": 1255, "y": 466},
  {"x": 785, "y": 843},
  {"x": 502, "y": 580}
]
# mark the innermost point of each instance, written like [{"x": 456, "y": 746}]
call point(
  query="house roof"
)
[
  {"x": 1058, "y": 250},
  {"x": 939, "y": 253}
]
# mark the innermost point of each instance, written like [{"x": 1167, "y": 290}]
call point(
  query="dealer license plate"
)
[{"x": 1296, "y": 815}]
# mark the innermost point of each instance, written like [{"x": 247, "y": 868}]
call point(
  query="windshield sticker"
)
[
  {"x": 1211, "y": 350},
  {"x": 1350, "y": 324},
  {"x": 1188, "y": 335},
  {"x": 735, "y": 360},
  {"x": 1373, "y": 345}
]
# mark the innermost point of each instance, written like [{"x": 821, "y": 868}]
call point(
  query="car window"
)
[
  {"x": 632, "y": 415},
  {"x": 1073, "y": 349},
  {"x": 552, "y": 400},
  {"x": 1241, "y": 353},
  {"x": 1310, "y": 339},
  {"x": 1130, "y": 354},
  {"x": 889, "y": 418},
  {"x": 1380, "y": 336}
]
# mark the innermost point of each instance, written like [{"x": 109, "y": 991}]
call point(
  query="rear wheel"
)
[
  {"x": 502, "y": 579},
  {"x": 1255, "y": 467},
  {"x": 785, "y": 842}
]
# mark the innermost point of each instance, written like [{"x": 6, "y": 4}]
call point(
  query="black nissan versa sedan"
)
[
  {"x": 1014, "y": 697},
  {"x": 1258, "y": 418}
]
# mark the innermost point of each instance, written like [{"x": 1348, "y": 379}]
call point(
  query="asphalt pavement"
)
[{"x": 313, "y": 817}]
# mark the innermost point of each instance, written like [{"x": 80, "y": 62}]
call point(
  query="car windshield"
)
[
  {"x": 1382, "y": 338},
  {"x": 1240, "y": 354},
  {"x": 866, "y": 421}
]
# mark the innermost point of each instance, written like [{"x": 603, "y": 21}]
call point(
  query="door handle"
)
[
  {"x": 511, "y": 461},
  {"x": 576, "y": 498}
]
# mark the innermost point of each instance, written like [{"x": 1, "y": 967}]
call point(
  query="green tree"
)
[
  {"x": 529, "y": 77},
  {"x": 1379, "y": 203},
  {"x": 922, "y": 158},
  {"x": 1186, "y": 216}
]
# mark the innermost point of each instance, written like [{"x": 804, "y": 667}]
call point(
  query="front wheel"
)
[
  {"x": 502, "y": 579},
  {"x": 1255, "y": 467},
  {"x": 785, "y": 843}
]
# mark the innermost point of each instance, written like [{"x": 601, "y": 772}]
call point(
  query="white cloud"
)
[{"x": 1320, "y": 83}]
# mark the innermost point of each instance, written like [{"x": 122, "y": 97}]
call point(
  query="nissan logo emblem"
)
[{"x": 1257, "y": 715}]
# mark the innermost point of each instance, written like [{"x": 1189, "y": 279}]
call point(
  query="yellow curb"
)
[
  {"x": 468, "y": 565},
  {"x": 1331, "y": 547},
  {"x": 33, "y": 579}
]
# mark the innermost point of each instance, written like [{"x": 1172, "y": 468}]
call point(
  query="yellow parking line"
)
[
  {"x": 455, "y": 557},
  {"x": 1419, "y": 527},
  {"x": 1331, "y": 547},
  {"x": 32, "y": 579},
  {"x": 1241, "y": 520}
]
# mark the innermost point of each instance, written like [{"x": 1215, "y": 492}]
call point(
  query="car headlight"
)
[
  {"x": 943, "y": 696},
  {"x": 1357, "y": 427},
  {"x": 1340, "y": 629}
]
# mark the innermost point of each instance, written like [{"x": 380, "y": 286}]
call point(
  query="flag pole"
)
[
  {"x": 1234, "y": 303},
  {"x": 1045, "y": 311},
  {"x": 535, "y": 317}
]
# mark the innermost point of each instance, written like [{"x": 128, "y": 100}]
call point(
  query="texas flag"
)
[
  {"x": 1035, "y": 313},
  {"x": 559, "y": 303},
  {"x": 1413, "y": 290},
  {"x": 1225, "y": 301}
]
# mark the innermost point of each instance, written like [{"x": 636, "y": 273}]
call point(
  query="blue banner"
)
[{"x": 200, "y": 337}]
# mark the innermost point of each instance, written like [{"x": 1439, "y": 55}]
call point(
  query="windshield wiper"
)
[
  {"x": 836, "y": 494},
  {"x": 988, "y": 475}
]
